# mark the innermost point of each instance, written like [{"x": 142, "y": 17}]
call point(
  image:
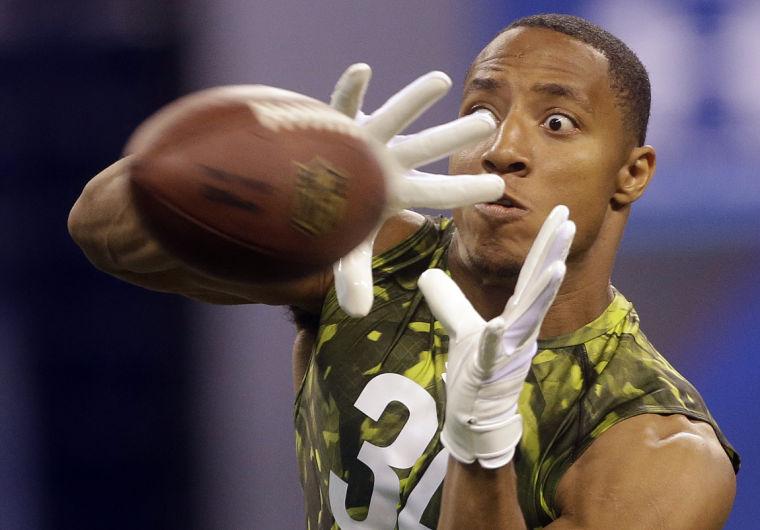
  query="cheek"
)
[
  {"x": 466, "y": 161},
  {"x": 467, "y": 223},
  {"x": 585, "y": 184}
]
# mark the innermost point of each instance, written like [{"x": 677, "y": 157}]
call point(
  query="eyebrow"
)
[
  {"x": 489, "y": 84},
  {"x": 482, "y": 83},
  {"x": 563, "y": 91}
]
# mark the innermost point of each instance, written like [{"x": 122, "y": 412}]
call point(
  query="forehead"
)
[{"x": 543, "y": 55}]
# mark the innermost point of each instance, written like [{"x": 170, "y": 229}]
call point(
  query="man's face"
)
[{"x": 560, "y": 140}]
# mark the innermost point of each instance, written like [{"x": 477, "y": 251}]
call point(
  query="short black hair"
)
[{"x": 629, "y": 80}]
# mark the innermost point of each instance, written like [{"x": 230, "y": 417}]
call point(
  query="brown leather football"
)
[{"x": 255, "y": 183}]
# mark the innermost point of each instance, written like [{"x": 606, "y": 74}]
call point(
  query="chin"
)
[
  {"x": 496, "y": 270},
  {"x": 492, "y": 249},
  {"x": 494, "y": 262}
]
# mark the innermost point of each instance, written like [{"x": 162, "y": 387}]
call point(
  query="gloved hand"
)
[
  {"x": 489, "y": 361},
  {"x": 407, "y": 188}
]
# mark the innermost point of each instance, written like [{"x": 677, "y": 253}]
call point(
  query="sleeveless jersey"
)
[{"x": 370, "y": 407}]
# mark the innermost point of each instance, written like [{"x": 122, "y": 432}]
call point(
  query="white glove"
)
[
  {"x": 488, "y": 361},
  {"x": 407, "y": 188}
]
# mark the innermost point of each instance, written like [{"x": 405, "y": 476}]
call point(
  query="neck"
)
[
  {"x": 584, "y": 295},
  {"x": 580, "y": 300}
]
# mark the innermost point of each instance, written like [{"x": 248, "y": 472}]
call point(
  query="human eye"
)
[
  {"x": 560, "y": 123},
  {"x": 481, "y": 109}
]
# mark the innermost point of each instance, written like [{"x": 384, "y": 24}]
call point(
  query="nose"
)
[{"x": 508, "y": 155}]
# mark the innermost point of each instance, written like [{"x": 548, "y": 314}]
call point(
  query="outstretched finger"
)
[
  {"x": 555, "y": 254},
  {"x": 406, "y": 105},
  {"x": 537, "y": 254},
  {"x": 426, "y": 190},
  {"x": 348, "y": 95},
  {"x": 559, "y": 247},
  {"x": 437, "y": 142},
  {"x": 524, "y": 318},
  {"x": 448, "y": 303}
]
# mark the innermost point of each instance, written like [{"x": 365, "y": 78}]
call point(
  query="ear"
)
[{"x": 634, "y": 176}]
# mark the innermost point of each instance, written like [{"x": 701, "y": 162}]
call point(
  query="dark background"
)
[{"x": 122, "y": 408}]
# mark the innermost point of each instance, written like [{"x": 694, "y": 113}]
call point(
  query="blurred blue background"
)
[{"x": 122, "y": 408}]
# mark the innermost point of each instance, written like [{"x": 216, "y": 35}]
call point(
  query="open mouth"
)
[
  {"x": 505, "y": 209},
  {"x": 507, "y": 202}
]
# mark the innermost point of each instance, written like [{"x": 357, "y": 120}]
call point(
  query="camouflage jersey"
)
[{"x": 371, "y": 404}]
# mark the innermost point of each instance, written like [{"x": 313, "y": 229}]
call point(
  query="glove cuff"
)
[{"x": 492, "y": 445}]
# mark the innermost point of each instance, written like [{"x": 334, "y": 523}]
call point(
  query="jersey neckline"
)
[{"x": 617, "y": 310}]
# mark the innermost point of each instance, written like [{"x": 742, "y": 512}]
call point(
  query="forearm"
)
[
  {"x": 105, "y": 224},
  {"x": 475, "y": 497}
]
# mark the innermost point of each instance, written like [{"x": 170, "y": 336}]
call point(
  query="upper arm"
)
[
  {"x": 396, "y": 229},
  {"x": 105, "y": 224},
  {"x": 651, "y": 472}
]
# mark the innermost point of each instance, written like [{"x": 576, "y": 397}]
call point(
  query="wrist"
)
[
  {"x": 465, "y": 505},
  {"x": 491, "y": 445}
]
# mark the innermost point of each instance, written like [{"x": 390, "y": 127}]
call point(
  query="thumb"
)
[
  {"x": 448, "y": 304},
  {"x": 348, "y": 94},
  {"x": 353, "y": 280}
]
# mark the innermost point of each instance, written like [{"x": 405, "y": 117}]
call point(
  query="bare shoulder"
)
[
  {"x": 649, "y": 471},
  {"x": 396, "y": 229}
]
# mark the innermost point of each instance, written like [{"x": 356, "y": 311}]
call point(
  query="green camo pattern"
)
[{"x": 580, "y": 385}]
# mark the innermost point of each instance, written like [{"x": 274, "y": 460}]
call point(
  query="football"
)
[{"x": 255, "y": 183}]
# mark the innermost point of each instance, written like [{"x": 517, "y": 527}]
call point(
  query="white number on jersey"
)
[{"x": 408, "y": 446}]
